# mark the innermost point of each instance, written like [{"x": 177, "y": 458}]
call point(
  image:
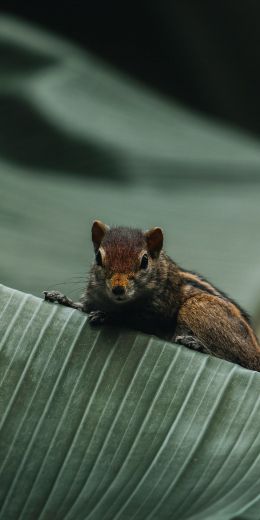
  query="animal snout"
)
[{"x": 118, "y": 290}]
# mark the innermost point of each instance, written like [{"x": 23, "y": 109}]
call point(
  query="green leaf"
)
[{"x": 111, "y": 424}]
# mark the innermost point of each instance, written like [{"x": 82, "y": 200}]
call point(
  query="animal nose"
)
[{"x": 118, "y": 290}]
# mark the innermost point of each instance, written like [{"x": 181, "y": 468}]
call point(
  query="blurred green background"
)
[{"x": 81, "y": 140}]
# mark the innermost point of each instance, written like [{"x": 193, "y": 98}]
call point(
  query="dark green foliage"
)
[{"x": 114, "y": 425}]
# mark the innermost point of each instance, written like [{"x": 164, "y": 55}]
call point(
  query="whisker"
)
[
  {"x": 57, "y": 285},
  {"x": 66, "y": 283},
  {"x": 79, "y": 274},
  {"x": 79, "y": 292}
]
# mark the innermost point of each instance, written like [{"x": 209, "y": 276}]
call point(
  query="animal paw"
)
[
  {"x": 96, "y": 318},
  {"x": 57, "y": 297},
  {"x": 54, "y": 296},
  {"x": 190, "y": 342}
]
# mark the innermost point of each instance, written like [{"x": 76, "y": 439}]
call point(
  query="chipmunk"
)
[{"x": 134, "y": 283}]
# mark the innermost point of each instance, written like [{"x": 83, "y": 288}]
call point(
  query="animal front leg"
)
[
  {"x": 97, "y": 318},
  {"x": 57, "y": 297},
  {"x": 191, "y": 342}
]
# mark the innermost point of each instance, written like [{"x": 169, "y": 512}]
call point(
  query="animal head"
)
[{"x": 125, "y": 259}]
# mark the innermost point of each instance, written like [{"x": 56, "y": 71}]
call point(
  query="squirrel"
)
[{"x": 134, "y": 283}]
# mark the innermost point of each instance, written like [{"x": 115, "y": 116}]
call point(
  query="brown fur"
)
[
  {"x": 220, "y": 329},
  {"x": 122, "y": 247},
  {"x": 162, "y": 298},
  {"x": 120, "y": 280},
  {"x": 173, "y": 303}
]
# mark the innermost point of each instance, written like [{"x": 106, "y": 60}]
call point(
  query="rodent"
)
[{"x": 134, "y": 283}]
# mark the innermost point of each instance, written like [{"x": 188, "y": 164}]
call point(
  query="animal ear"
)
[
  {"x": 154, "y": 239},
  {"x": 99, "y": 230}
]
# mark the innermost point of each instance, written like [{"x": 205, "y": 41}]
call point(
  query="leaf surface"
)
[{"x": 107, "y": 423}]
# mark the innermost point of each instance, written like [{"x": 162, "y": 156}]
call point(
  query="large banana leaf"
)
[{"x": 111, "y": 424}]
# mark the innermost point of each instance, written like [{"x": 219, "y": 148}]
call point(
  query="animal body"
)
[{"x": 134, "y": 283}]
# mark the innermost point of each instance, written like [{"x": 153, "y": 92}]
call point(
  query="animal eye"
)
[
  {"x": 144, "y": 262},
  {"x": 99, "y": 258}
]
